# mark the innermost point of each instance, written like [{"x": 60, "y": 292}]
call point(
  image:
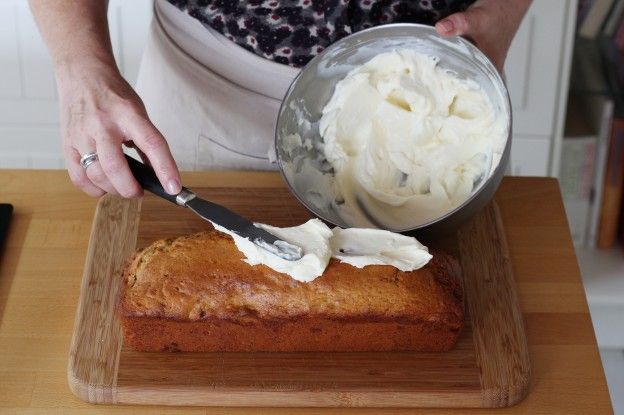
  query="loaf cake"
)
[{"x": 195, "y": 293}]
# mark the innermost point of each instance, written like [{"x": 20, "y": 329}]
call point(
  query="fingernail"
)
[
  {"x": 446, "y": 25},
  {"x": 173, "y": 187}
]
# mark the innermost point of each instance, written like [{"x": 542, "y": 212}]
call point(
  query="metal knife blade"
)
[
  {"x": 244, "y": 227},
  {"x": 216, "y": 213}
]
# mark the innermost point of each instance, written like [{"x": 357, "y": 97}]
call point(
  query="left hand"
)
[{"x": 490, "y": 24}]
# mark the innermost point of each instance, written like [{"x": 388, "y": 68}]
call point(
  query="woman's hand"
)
[
  {"x": 99, "y": 113},
  {"x": 99, "y": 110},
  {"x": 490, "y": 24}
]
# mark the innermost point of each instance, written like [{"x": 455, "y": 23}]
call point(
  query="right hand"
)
[
  {"x": 101, "y": 112},
  {"x": 490, "y": 24}
]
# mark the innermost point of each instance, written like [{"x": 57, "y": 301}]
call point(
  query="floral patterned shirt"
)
[{"x": 292, "y": 32}]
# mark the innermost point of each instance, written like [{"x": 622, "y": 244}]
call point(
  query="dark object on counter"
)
[{"x": 6, "y": 211}]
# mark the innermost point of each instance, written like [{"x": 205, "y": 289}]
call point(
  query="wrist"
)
[{"x": 72, "y": 70}]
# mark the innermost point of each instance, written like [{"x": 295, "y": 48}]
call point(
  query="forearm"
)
[
  {"x": 517, "y": 11},
  {"x": 521, "y": 8},
  {"x": 76, "y": 34}
]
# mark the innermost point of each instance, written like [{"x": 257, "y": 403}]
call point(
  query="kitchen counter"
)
[{"x": 42, "y": 264}]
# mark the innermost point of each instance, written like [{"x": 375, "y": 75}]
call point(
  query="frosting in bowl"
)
[{"x": 408, "y": 140}]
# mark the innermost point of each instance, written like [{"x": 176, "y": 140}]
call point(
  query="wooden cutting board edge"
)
[
  {"x": 113, "y": 238},
  {"x": 503, "y": 382},
  {"x": 493, "y": 305}
]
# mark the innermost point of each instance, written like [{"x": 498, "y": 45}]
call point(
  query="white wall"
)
[
  {"x": 537, "y": 70},
  {"x": 29, "y": 126}
]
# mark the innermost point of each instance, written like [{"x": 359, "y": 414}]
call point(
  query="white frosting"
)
[
  {"x": 312, "y": 236},
  {"x": 358, "y": 247},
  {"x": 293, "y": 142},
  {"x": 408, "y": 140}
]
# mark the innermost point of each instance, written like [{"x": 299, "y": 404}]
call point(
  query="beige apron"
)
[{"x": 215, "y": 102}]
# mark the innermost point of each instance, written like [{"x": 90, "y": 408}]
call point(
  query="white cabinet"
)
[
  {"x": 537, "y": 72},
  {"x": 129, "y": 23},
  {"x": 29, "y": 122},
  {"x": 533, "y": 67},
  {"x": 530, "y": 156}
]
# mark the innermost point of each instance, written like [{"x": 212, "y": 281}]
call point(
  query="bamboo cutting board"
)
[{"x": 489, "y": 366}]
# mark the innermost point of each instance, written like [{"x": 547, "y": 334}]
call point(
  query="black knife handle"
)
[{"x": 148, "y": 180}]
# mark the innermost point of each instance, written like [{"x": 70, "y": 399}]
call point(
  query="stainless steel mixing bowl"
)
[{"x": 302, "y": 162}]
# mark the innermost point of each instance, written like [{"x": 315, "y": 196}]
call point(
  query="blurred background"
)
[{"x": 565, "y": 74}]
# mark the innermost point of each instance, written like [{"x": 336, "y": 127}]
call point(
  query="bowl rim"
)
[{"x": 473, "y": 49}]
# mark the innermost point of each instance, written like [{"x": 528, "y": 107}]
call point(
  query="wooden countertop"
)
[{"x": 42, "y": 264}]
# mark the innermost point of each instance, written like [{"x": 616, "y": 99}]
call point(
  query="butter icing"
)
[
  {"x": 408, "y": 140},
  {"x": 358, "y": 247}
]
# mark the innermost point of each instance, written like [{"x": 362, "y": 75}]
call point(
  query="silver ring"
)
[{"x": 88, "y": 159}]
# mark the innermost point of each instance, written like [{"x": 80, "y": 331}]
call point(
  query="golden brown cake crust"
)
[{"x": 195, "y": 293}]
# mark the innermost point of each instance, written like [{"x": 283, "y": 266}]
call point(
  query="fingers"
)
[
  {"x": 98, "y": 177},
  {"x": 113, "y": 164},
  {"x": 94, "y": 171},
  {"x": 110, "y": 173},
  {"x": 454, "y": 25},
  {"x": 99, "y": 114},
  {"x": 472, "y": 24},
  {"x": 154, "y": 146},
  {"x": 78, "y": 175},
  {"x": 464, "y": 23},
  {"x": 445, "y": 27}
]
